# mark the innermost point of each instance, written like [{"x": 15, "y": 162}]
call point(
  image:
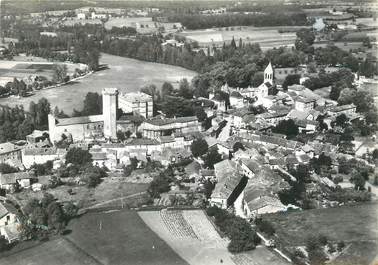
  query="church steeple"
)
[{"x": 268, "y": 74}]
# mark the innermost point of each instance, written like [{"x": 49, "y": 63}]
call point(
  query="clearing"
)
[
  {"x": 267, "y": 37},
  {"x": 128, "y": 75},
  {"x": 356, "y": 225},
  {"x": 193, "y": 236},
  {"x": 102, "y": 238},
  {"x": 112, "y": 190}
]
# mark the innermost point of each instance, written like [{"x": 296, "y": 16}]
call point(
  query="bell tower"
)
[
  {"x": 109, "y": 112},
  {"x": 268, "y": 74}
]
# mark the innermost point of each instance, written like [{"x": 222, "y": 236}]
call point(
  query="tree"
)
[
  {"x": 92, "y": 104},
  {"x": 152, "y": 91},
  {"x": 290, "y": 80},
  {"x": 199, "y": 147},
  {"x": 5, "y": 168},
  {"x": 40, "y": 112},
  {"x": 358, "y": 180},
  {"x": 59, "y": 73},
  {"x": 70, "y": 211},
  {"x": 375, "y": 153},
  {"x": 55, "y": 216},
  {"x": 184, "y": 89},
  {"x": 92, "y": 176},
  {"x": 211, "y": 158},
  {"x": 78, "y": 156},
  {"x": 287, "y": 127},
  {"x": 237, "y": 146},
  {"x": 166, "y": 89},
  {"x": 341, "y": 120}
]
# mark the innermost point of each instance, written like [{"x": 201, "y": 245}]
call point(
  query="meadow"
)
[
  {"x": 128, "y": 75},
  {"x": 101, "y": 238},
  {"x": 267, "y": 37},
  {"x": 121, "y": 237},
  {"x": 355, "y": 225}
]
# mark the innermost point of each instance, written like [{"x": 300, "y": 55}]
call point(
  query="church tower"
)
[
  {"x": 268, "y": 74},
  {"x": 109, "y": 112}
]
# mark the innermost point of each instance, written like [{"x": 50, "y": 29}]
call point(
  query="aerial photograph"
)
[{"x": 188, "y": 132}]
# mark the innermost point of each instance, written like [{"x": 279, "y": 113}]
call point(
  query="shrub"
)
[
  {"x": 265, "y": 226},
  {"x": 242, "y": 235}
]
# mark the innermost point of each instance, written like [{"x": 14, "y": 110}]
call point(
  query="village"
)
[{"x": 227, "y": 167}]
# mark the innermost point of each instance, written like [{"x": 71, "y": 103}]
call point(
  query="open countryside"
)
[{"x": 128, "y": 75}]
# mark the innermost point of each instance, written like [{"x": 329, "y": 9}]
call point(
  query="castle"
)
[{"x": 104, "y": 127}]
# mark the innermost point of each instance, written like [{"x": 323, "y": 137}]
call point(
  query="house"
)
[
  {"x": 9, "y": 151},
  {"x": 37, "y": 136},
  {"x": 250, "y": 167},
  {"x": 262, "y": 204},
  {"x": 348, "y": 109},
  {"x": 304, "y": 104},
  {"x": 260, "y": 194},
  {"x": 236, "y": 100},
  {"x": 230, "y": 184},
  {"x": 9, "y": 222},
  {"x": 36, "y": 155},
  {"x": 81, "y": 16},
  {"x": 306, "y": 126},
  {"x": 219, "y": 102},
  {"x": 272, "y": 118},
  {"x": 241, "y": 117},
  {"x": 154, "y": 128},
  {"x": 137, "y": 103},
  {"x": 11, "y": 181}
]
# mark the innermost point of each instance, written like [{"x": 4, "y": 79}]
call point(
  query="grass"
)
[
  {"x": 123, "y": 239},
  {"x": 124, "y": 73},
  {"x": 357, "y": 225},
  {"x": 58, "y": 252},
  {"x": 108, "y": 190}
]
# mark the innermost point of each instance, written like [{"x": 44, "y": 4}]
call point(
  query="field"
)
[
  {"x": 23, "y": 67},
  {"x": 267, "y": 37},
  {"x": 124, "y": 73},
  {"x": 56, "y": 252},
  {"x": 110, "y": 191},
  {"x": 355, "y": 225},
  {"x": 191, "y": 234},
  {"x": 104, "y": 238}
]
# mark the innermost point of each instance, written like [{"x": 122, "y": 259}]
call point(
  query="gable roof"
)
[
  {"x": 6, "y": 208},
  {"x": 79, "y": 120},
  {"x": 11, "y": 178}
]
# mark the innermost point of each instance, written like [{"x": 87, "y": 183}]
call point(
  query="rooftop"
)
[
  {"x": 11, "y": 178},
  {"x": 8, "y": 147},
  {"x": 343, "y": 107},
  {"x": 40, "y": 151},
  {"x": 6, "y": 208},
  {"x": 80, "y": 120},
  {"x": 136, "y": 97},
  {"x": 165, "y": 121}
]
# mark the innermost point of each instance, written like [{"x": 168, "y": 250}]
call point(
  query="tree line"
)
[{"x": 196, "y": 21}]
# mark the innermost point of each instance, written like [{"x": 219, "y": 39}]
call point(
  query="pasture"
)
[
  {"x": 24, "y": 67},
  {"x": 120, "y": 237},
  {"x": 57, "y": 252},
  {"x": 355, "y": 225},
  {"x": 128, "y": 75},
  {"x": 194, "y": 237},
  {"x": 103, "y": 238},
  {"x": 267, "y": 37},
  {"x": 109, "y": 191}
]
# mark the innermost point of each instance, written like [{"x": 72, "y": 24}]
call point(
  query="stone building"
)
[
  {"x": 137, "y": 103},
  {"x": 157, "y": 127}
]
